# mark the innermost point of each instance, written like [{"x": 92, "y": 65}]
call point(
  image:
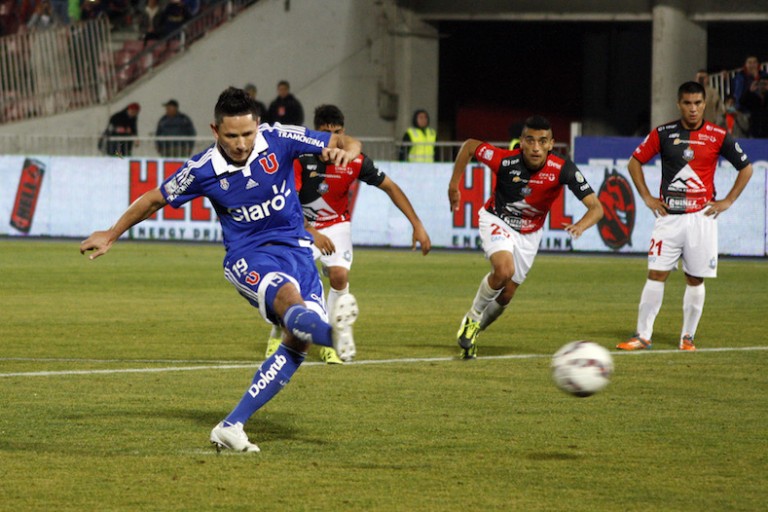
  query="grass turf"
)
[{"x": 673, "y": 431}]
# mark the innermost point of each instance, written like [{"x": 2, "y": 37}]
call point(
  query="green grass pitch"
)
[{"x": 113, "y": 372}]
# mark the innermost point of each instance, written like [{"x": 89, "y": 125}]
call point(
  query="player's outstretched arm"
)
[
  {"x": 144, "y": 207},
  {"x": 655, "y": 204},
  {"x": 590, "y": 218},
  {"x": 462, "y": 159},
  {"x": 718, "y": 207},
  {"x": 400, "y": 200}
]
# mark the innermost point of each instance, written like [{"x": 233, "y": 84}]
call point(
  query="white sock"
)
[
  {"x": 334, "y": 294},
  {"x": 650, "y": 304},
  {"x": 485, "y": 295},
  {"x": 693, "y": 306},
  {"x": 491, "y": 313}
]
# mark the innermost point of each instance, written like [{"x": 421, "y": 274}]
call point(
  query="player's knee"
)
[
  {"x": 693, "y": 280},
  {"x": 501, "y": 275},
  {"x": 658, "y": 275},
  {"x": 338, "y": 277}
]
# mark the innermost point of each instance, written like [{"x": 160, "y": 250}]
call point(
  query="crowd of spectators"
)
[{"x": 23, "y": 15}]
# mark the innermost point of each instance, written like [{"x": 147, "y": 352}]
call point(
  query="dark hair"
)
[
  {"x": 234, "y": 102},
  {"x": 328, "y": 114},
  {"x": 284, "y": 82},
  {"x": 416, "y": 115},
  {"x": 691, "y": 88},
  {"x": 537, "y": 123}
]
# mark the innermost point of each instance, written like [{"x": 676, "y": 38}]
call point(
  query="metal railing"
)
[
  {"x": 378, "y": 148},
  {"x": 46, "y": 72},
  {"x": 723, "y": 80},
  {"x": 141, "y": 57},
  {"x": 51, "y": 71}
]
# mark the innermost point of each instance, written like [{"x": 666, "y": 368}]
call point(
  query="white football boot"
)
[
  {"x": 342, "y": 317},
  {"x": 232, "y": 438}
]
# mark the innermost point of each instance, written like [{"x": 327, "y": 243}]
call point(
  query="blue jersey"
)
[{"x": 257, "y": 203}]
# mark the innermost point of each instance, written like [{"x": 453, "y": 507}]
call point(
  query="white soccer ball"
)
[{"x": 582, "y": 368}]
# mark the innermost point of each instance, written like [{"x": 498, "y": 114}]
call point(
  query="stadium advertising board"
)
[
  {"x": 626, "y": 227},
  {"x": 72, "y": 196}
]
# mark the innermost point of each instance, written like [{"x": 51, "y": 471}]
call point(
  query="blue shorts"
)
[{"x": 259, "y": 273}]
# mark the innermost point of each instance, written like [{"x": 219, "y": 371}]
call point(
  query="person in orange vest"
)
[{"x": 419, "y": 140}]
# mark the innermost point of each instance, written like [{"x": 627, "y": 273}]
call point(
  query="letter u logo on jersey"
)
[{"x": 269, "y": 163}]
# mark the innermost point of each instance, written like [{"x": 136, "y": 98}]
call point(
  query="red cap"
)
[{"x": 135, "y": 106}]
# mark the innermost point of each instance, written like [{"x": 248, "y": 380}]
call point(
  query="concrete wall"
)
[{"x": 369, "y": 57}]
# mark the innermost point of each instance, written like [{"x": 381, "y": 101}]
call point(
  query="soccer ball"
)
[{"x": 582, "y": 368}]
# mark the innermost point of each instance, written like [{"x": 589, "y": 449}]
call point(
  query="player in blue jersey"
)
[{"x": 248, "y": 177}]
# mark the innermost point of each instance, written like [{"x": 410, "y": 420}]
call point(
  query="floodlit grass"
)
[{"x": 673, "y": 431}]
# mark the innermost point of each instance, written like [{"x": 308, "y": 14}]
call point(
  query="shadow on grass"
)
[{"x": 168, "y": 425}]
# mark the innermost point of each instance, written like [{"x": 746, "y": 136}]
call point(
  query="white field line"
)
[{"x": 232, "y": 365}]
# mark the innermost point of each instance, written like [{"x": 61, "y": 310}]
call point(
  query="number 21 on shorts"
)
[{"x": 655, "y": 249}]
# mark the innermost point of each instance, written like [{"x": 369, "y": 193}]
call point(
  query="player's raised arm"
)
[
  {"x": 144, "y": 207},
  {"x": 462, "y": 159}
]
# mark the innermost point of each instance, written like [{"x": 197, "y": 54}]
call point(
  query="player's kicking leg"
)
[{"x": 304, "y": 325}]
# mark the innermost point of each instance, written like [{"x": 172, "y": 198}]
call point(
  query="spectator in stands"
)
[
  {"x": 118, "y": 12},
  {"x": 419, "y": 140},
  {"x": 252, "y": 92},
  {"x": 91, "y": 9},
  {"x": 149, "y": 21},
  {"x": 749, "y": 88},
  {"x": 175, "y": 123},
  {"x": 193, "y": 7},
  {"x": 9, "y": 17},
  {"x": 714, "y": 108},
  {"x": 26, "y": 9},
  {"x": 734, "y": 121},
  {"x": 122, "y": 124},
  {"x": 174, "y": 16},
  {"x": 43, "y": 17},
  {"x": 61, "y": 11},
  {"x": 285, "y": 109}
]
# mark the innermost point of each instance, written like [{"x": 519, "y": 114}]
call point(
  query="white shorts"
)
[
  {"x": 341, "y": 236},
  {"x": 497, "y": 236},
  {"x": 692, "y": 236}
]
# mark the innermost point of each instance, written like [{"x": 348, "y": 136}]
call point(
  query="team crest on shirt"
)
[
  {"x": 688, "y": 154},
  {"x": 224, "y": 184},
  {"x": 322, "y": 188}
]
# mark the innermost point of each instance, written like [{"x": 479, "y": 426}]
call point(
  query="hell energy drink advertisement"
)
[{"x": 26, "y": 195}]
